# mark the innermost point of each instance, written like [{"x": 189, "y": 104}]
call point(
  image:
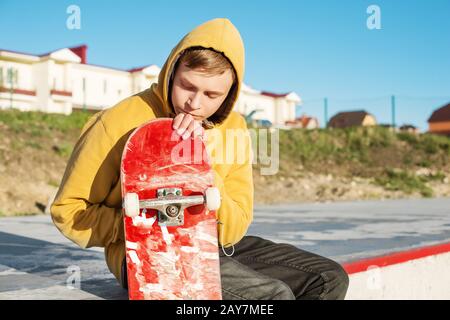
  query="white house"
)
[
  {"x": 277, "y": 108},
  {"x": 62, "y": 81}
]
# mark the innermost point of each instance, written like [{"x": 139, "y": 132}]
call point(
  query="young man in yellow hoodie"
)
[{"x": 198, "y": 87}]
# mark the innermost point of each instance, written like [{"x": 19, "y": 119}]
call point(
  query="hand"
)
[{"x": 187, "y": 126}]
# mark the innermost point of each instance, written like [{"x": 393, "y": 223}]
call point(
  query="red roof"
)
[
  {"x": 441, "y": 114},
  {"x": 304, "y": 120},
  {"x": 77, "y": 50},
  {"x": 274, "y": 95},
  {"x": 81, "y": 51}
]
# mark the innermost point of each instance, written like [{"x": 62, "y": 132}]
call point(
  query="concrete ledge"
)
[{"x": 421, "y": 273}]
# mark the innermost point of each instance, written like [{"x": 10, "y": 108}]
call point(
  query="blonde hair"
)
[{"x": 210, "y": 62}]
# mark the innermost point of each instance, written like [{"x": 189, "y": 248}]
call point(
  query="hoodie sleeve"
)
[
  {"x": 236, "y": 211},
  {"x": 78, "y": 210}
]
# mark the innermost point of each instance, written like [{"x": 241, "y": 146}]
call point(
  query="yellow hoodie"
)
[{"x": 87, "y": 207}]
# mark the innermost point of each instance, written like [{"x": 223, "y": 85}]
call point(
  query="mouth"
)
[{"x": 193, "y": 115}]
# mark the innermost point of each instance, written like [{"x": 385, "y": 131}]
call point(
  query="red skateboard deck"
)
[{"x": 169, "y": 218}]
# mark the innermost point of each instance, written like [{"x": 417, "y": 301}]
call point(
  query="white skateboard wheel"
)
[
  {"x": 212, "y": 196},
  {"x": 131, "y": 204}
]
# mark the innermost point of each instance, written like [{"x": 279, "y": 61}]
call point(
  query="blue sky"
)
[{"x": 315, "y": 48}]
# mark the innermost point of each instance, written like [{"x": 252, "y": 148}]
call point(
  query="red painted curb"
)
[{"x": 395, "y": 258}]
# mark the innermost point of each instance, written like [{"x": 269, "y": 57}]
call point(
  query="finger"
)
[
  {"x": 189, "y": 130},
  {"x": 177, "y": 121},
  {"x": 184, "y": 124},
  {"x": 198, "y": 130}
]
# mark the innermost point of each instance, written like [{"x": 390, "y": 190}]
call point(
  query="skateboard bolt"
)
[
  {"x": 178, "y": 192},
  {"x": 172, "y": 211}
]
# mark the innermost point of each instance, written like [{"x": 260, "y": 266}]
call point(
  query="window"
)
[
  {"x": 1, "y": 76},
  {"x": 12, "y": 76},
  {"x": 105, "y": 86}
]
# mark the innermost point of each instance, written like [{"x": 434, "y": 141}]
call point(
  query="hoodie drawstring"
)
[{"x": 221, "y": 242}]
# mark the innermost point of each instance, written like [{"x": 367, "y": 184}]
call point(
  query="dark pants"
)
[{"x": 263, "y": 270}]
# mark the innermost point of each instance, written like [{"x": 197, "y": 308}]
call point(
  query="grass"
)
[
  {"x": 433, "y": 143},
  {"x": 410, "y": 138},
  {"x": 400, "y": 180},
  {"x": 425, "y": 163},
  {"x": 38, "y": 126},
  {"x": 429, "y": 143},
  {"x": 438, "y": 176},
  {"x": 40, "y": 123},
  {"x": 367, "y": 152},
  {"x": 362, "y": 145},
  {"x": 357, "y": 145},
  {"x": 64, "y": 149},
  {"x": 351, "y": 144}
]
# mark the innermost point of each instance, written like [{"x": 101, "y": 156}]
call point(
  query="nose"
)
[{"x": 195, "y": 101}]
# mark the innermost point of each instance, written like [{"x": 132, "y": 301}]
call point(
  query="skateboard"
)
[{"x": 169, "y": 204}]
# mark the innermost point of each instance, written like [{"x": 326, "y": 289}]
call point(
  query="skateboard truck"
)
[{"x": 170, "y": 204}]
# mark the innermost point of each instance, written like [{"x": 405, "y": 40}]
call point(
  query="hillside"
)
[
  {"x": 319, "y": 165},
  {"x": 357, "y": 163}
]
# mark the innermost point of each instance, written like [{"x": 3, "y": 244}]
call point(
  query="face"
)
[{"x": 197, "y": 93}]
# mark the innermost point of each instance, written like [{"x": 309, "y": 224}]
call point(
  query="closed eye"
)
[
  {"x": 188, "y": 87},
  {"x": 212, "y": 96}
]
